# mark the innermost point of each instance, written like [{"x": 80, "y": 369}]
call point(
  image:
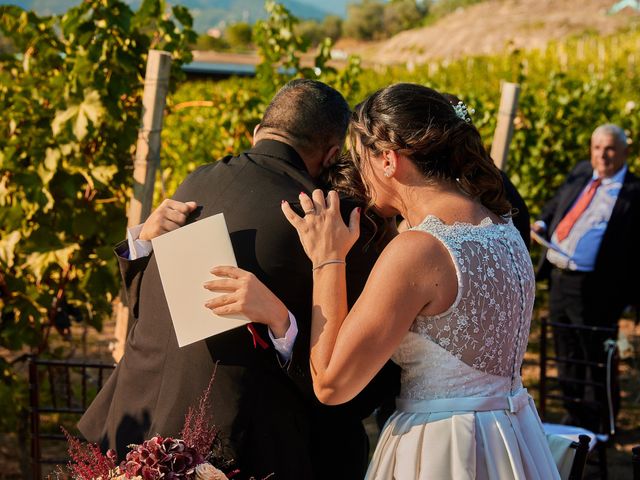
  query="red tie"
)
[{"x": 569, "y": 220}]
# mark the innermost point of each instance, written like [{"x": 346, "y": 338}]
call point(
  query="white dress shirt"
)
[{"x": 142, "y": 248}]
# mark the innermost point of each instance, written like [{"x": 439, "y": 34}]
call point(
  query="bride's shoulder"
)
[
  {"x": 416, "y": 262},
  {"x": 414, "y": 248}
]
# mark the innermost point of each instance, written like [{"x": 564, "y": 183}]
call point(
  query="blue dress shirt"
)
[{"x": 583, "y": 242}]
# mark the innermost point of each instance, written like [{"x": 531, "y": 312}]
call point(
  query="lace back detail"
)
[{"x": 487, "y": 326}]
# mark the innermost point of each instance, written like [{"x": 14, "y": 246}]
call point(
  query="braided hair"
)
[{"x": 422, "y": 124}]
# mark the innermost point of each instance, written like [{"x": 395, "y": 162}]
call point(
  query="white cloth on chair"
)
[
  {"x": 572, "y": 433},
  {"x": 560, "y": 438}
]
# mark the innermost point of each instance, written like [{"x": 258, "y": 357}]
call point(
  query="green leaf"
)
[
  {"x": 90, "y": 109},
  {"x": 104, "y": 173},
  {"x": 62, "y": 117},
  {"x": 43, "y": 239},
  {"x": 47, "y": 169},
  {"x": 84, "y": 224},
  {"x": 7, "y": 248},
  {"x": 37, "y": 263},
  {"x": 12, "y": 217},
  {"x": 182, "y": 15},
  {"x": 150, "y": 9}
]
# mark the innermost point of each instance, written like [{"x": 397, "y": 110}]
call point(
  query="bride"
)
[{"x": 449, "y": 300}]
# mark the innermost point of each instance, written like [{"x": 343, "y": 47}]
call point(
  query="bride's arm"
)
[{"x": 414, "y": 274}]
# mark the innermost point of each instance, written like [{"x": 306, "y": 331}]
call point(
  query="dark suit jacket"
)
[
  {"x": 521, "y": 219},
  {"x": 268, "y": 415},
  {"x": 615, "y": 278}
]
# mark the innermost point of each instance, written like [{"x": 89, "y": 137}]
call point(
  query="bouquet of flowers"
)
[{"x": 193, "y": 456}]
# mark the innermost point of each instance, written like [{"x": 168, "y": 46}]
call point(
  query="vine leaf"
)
[
  {"x": 7, "y": 247},
  {"x": 38, "y": 262}
]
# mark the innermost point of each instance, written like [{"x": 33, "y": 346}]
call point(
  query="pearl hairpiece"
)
[{"x": 463, "y": 112}]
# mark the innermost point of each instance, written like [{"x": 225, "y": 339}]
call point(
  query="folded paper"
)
[{"x": 185, "y": 257}]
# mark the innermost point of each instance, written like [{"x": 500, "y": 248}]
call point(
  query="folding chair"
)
[
  {"x": 550, "y": 390},
  {"x": 580, "y": 458},
  {"x": 60, "y": 391}
]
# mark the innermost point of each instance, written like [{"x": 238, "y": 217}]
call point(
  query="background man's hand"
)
[
  {"x": 538, "y": 228},
  {"x": 170, "y": 215}
]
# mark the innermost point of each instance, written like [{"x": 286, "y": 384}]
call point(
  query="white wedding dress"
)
[{"x": 462, "y": 411}]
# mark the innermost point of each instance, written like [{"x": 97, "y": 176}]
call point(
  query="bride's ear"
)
[{"x": 389, "y": 163}]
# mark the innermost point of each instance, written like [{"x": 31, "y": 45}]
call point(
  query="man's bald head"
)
[{"x": 309, "y": 115}]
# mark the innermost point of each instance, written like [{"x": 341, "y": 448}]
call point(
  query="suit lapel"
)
[
  {"x": 569, "y": 198},
  {"x": 621, "y": 206}
]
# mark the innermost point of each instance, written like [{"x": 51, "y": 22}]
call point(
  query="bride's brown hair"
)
[{"x": 423, "y": 125}]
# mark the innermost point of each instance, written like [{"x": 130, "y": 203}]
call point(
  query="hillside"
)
[{"x": 494, "y": 26}]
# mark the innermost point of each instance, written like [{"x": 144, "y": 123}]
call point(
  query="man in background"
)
[{"x": 593, "y": 221}]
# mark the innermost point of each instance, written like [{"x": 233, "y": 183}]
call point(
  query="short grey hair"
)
[{"x": 613, "y": 130}]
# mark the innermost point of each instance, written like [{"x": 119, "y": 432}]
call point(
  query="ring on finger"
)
[{"x": 310, "y": 212}]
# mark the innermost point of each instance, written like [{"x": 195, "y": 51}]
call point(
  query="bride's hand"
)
[
  {"x": 243, "y": 293},
  {"x": 322, "y": 231}
]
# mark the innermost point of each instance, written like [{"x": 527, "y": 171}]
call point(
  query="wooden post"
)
[
  {"x": 147, "y": 161},
  {"x": 504, "y": 128},
  {"x": 145, "y": 165}
]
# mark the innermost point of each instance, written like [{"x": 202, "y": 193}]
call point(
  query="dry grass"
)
[{"x": 492, "y": 27}]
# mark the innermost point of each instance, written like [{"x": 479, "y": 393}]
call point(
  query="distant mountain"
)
[
  {"x": 209, "y": 13},
  {"x": 334, "y": 7}
]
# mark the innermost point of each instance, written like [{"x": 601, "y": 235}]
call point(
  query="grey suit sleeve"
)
[{"x": 131, "y": 272}]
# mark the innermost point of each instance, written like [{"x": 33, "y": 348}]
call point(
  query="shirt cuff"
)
[
  {"x": 284, "y": 345},
  {"x": 138, "y": 248}
]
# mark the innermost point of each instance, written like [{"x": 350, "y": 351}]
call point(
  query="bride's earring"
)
[{"x": 388, "y": 171}]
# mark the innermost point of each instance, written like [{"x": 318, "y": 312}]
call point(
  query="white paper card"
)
[
  {"x": 546, "y": 244},
  {"x": 185, "y": 257}
]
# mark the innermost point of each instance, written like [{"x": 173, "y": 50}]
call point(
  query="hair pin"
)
[{"x": 462, "y": 112}]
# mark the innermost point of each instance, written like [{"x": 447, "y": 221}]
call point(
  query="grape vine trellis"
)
[
  {"x": 70, "y": 99},
  {"x": 563, "y": 98},
  {"x": 70, "y": 105},
  {"x": 71, "y": 109}
]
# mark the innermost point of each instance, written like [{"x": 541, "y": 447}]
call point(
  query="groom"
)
[{"x": 263, "y": 402}]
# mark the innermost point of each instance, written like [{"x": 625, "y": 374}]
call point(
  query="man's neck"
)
[
  {"x": 619, "y": 174},
  {"x": 311, "y": 164}
]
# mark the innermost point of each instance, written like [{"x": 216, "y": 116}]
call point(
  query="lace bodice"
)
[{"x": 476, "y": 347}]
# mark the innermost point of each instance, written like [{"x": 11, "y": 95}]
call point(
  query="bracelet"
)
[{"x": 327, "y": 262}]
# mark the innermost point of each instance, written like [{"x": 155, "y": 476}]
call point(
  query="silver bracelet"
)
[{"x": 327, "y": 262}]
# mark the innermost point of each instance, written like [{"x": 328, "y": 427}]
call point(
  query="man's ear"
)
[
  {"x": 330, "y": 156},
  {"x": 255, "y": 133}
]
